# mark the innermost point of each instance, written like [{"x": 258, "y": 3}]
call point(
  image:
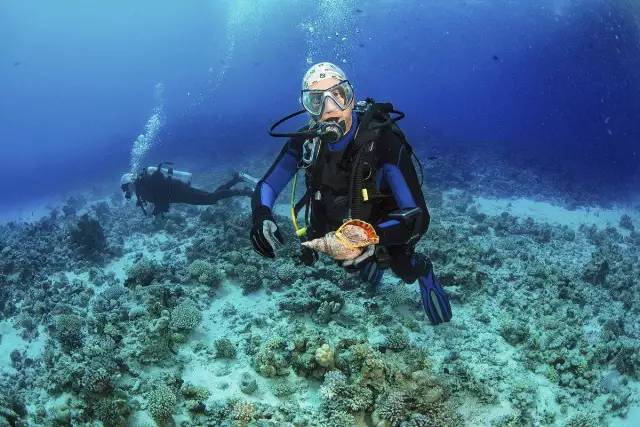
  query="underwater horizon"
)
[{"x": 523, "y": 126}]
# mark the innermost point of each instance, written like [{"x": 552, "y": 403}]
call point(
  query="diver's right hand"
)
[{"x": 265, "y": 236}]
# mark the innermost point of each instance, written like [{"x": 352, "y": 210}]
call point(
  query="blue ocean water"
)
[
  {"x": 553, "y": 82},
  {"x": 524, "y": 116}
]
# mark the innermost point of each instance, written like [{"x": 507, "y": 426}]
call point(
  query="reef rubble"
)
[{"x": 112, "y": 318}]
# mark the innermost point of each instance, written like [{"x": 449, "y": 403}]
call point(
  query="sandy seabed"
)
[{"x": 112, "y": 318}]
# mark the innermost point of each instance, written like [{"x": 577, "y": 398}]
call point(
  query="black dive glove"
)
[
  {"x": 308, "y": 256},
  {"x": 265, "y": 236}
]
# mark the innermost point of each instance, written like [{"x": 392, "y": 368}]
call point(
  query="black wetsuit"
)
[
  {"x": 393, "y": 179},
  {"x": 161, "y": 190}
]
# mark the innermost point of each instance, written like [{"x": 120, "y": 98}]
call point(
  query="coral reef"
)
[
  {"x": 161, "y": 402},
  {"x": 205, "y": 273},
  {"x": 224, "y": 348},
  {"x": 88, "y": 236},
  {"x": 142, "y": 273},
  {"x": 185, "y": 316},
  {"x": 177, "y": 320}
]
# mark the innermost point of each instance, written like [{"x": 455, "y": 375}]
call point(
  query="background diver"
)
[
  {"x": 357, "y": 166},
  {"x": 162, "y": 185}
]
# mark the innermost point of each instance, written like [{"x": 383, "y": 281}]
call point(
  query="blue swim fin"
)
[{"x": 434, "y": 299}]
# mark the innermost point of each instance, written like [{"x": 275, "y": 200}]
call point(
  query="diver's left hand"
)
[{"x": 368, "y": 253}]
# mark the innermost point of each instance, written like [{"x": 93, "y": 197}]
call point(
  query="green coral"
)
[
  {"x": 69, "y": 330},
  {"x": 273, "y": 358},
  {"x": 113, "y": 412},
  {"x": 161, "y": 402},
  {"x": 195, "y": 392},
  {"x": 583, "y": 420},
  {"x": 338, "y": 395},
  {"x": 283, "y": 389},
  {"x": 97, "y": 380},
  {"x": 185, "y": 316},
  {"x": 225, "y": 349},
  {"x": 205, "y": 272},
  {"x": 393, "y": 408},
  {"x": 397, "y": 340},
  {"x": 243, "y": 412},
  {"x": 141, "y": 273}
]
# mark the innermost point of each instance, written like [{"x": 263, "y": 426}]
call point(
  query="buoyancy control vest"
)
[
  {"x": 153, "y": 184},
  {"x": 341, "y": 185}
]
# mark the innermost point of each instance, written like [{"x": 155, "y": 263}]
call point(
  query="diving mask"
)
[{"x": 313, "y": 100}]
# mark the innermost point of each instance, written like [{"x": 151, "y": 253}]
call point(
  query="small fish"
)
[
  {"x": 495, "y": 58},
  {"x": 359, "y": 11},
  {"x": 361, "y": 44},
  {"x": 17, "y": 63},
  {"x": 432, "y": 158}
]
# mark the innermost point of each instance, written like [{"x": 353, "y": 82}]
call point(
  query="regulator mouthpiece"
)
[{"x": 332, "y": 131}]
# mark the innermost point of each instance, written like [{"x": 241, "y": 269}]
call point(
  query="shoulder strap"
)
[
  {"x": 405, "y": 149},
  {"x": 365, "y": 147},
  {"x": 364, "y": 132}
]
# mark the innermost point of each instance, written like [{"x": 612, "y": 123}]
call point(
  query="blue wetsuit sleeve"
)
[
  {"x": 393, "y": 231},
  {"x": 395, "y": 180},
  {"x": 276, "y": 178}
]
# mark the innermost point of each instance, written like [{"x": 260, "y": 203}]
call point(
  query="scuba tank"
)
[{"x": 169, "y": 172}]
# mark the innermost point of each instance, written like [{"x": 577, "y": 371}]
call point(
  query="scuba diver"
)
[
  {"x": 163, "y": 185},
  {"x": 358, "y": 169}
]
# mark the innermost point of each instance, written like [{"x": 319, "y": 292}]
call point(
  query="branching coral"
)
[
  {"x": 161, "y": 402},
  {"x": 341, "y": 396},
  {"x": 97, "y": 381},
  {"x": 185, "y": 317},
  {"x": 396, "y": 340},
  {"x": 69, "y": 331},
  {"x": 111, "y": 411},
  {"x": 205, "y": 273},
  {"x": 243, "y": 412},
  {"x": 393, "y": 408}
]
